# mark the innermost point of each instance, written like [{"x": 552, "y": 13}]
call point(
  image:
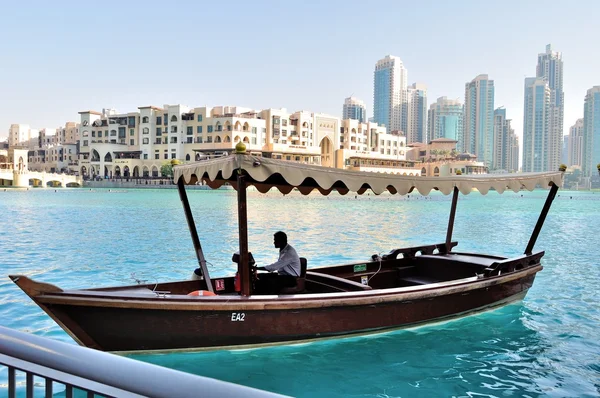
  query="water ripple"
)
[{"x": 545, "y": 346}]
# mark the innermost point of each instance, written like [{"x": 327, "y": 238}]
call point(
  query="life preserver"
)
[{"x": 201, "y": 293}]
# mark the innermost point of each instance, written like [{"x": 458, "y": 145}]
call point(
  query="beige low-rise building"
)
[
  {"x": 440, "y": 158},
  {"x": 138, "y": 144}
]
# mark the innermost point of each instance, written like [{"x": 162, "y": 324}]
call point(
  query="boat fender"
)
[{"x": 201, "y": 293}]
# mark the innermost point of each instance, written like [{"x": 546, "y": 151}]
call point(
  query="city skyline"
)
[{"x": 52, "y": 73}]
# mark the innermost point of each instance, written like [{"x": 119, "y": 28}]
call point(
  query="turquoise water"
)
[{"x": 547, "y": 345}]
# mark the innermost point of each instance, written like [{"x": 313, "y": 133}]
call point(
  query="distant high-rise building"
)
[
  {"x": 390, "y": 93},
  {"x": 416, "y": 130},
  {"x": 354, "y": 109},
  {"x": 478, "y": 136},
  {"x": 591, "y": 132},
  {"x": 445, "y": 120},
  {"x": 575, "y": 148},
  {"x": 536, "y": 116},
  {"x": 506, "y": 145},
  {"x": 550, "y": 68},
  {"x": 564, "y": 155}
]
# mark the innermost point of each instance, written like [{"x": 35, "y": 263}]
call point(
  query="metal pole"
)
[
  {"x": 541, "y": 219},
  {"x": 451, "y": 220},
  {"x": 243, "y": 266},
  {"x": 192, "y": 226}
]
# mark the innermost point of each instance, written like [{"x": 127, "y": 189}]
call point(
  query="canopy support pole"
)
[
  {"x": 243, "y": 265},
  {"x": 192, "y": 226},
  {"x": 451, "y": 220},
  {"x": 541, "y": 219}
]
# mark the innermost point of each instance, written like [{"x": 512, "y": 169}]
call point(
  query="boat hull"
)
[{"x": 155, "y": 325}]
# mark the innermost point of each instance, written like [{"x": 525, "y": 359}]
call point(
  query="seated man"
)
[{"x": 287, "y": 267}]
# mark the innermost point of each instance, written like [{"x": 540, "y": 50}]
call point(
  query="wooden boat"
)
[{"x": 406, "y": 287}]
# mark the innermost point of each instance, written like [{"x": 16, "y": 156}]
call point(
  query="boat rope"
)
[{"x": 375, "y": 257}]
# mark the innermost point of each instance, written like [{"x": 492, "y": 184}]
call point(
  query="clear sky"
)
[{"x": 61, "y": 57}]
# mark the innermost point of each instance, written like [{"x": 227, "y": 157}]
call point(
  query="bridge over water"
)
[{"x": 26, "y": 178}]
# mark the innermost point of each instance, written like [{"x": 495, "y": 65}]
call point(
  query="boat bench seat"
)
[
  {"x": 336, "y": 282},
  {"x": 420, "y": 280},
  {"x": 460, "y": 258}
]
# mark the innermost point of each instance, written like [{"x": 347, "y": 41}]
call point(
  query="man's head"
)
[{"x": 280, "y": 239}]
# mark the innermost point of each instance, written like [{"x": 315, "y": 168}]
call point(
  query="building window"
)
[
  {"x": 132, "y": 131},
  {"x": 199, "y": 118},
  {"x": 199, "y": 129},
  {"x": 199, "y": 140},
  {"x": 190, "y": 140},
  {"x": 284, "y": 122},
  {"x": 146, "y": 130},
  {"x": 157, "y": 156},
  {"x": 85, "y": 143},
  {"x": 145, "y": 119},
  {"x": 288, "y": 157},
  {"x": 132, "y": 141},
  {"x": 173, "y": 156},
  {"x": 208, "y": 140},
  {"x": 158, "y": 131},
  {"x": 145, "y": 140},
  {"x": 173, "y": 140},
  {"x": 158, "y": 120},
  {"x": 121, "y": 132},
  {"x": 253, "y": 140},
  {"x": 166, "y": 119},
  {"x": 190, "y": 130},
  {"x": 93, "y": 133},
  {"x": 209, "y": 129},
  {"x": 166, "y": 156}
]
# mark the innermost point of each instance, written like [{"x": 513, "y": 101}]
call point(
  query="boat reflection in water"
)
[{"x": 406, "y": 287}]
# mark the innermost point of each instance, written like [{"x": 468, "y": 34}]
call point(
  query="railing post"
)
[{"x": 12, "y": 381}]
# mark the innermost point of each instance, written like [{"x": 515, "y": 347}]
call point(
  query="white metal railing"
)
[{"x": 98, "y": 373}]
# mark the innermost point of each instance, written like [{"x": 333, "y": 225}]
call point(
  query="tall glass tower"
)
[
  {"x": 550, "y": 68},
  {"x": 389, "y": 93},
  {"x": 354, "y": 109},
  {"x": 416, "y": 130},
  {"x": 445, "y": 120},
  {"x": 591, "y": 132},
  {"x": 536, "y": 116},
  {"x": 478, "y": 137}
]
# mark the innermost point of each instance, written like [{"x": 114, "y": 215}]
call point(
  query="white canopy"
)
[{"x": 265, "y": 173}]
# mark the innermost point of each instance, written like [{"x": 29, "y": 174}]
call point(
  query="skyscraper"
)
[
  {"x": 591, "y": 132},
  {"x": 506, "y": 145},
  {"x": 416, "y": 130},
  {"x": 354, "y": 109},
  {"x": 550, "y": 68},
  {"x": 478, "y": 136},
  {"x": 389, "y": 94},
  {"x": 575, "y": 151},
  {"x": 445, "y": 120},
  {"x": 536, "y": 115}
]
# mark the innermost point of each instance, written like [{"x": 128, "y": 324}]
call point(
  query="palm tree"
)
[
  {"x": 562, "y": 167},
  {"x": 598, "y": 167}
]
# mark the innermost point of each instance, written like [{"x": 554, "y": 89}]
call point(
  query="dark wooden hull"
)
[{"x": 140, "y": 324}]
